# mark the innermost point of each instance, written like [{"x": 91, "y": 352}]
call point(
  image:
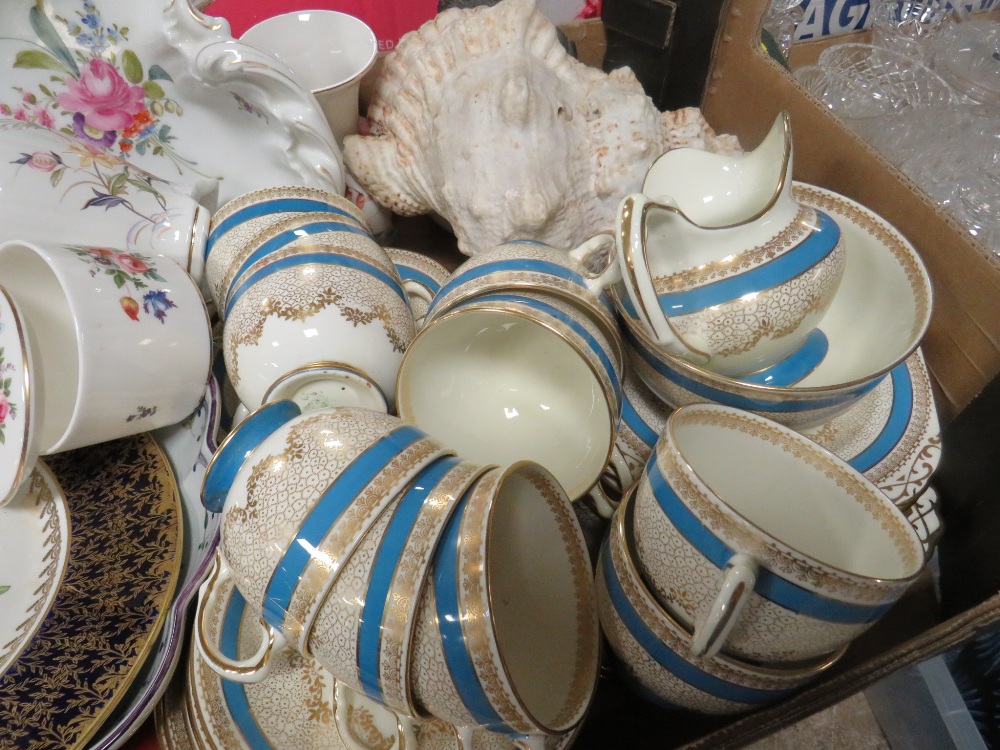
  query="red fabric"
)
[
  {"x": 144, "y": 738},
  {"x": 389, "y": 20}
]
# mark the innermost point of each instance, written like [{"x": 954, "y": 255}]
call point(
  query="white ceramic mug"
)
[
  {"x": 763, "y": 542},
  {"x": 328, "y": 52},
  {"x": 117, "y": 343}
]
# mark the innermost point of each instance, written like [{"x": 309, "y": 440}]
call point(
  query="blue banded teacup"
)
[
  {"x": 507, "y": 637},
  {"x": 302, "y": 495},
  {"x": 764, "y": 543},
  {"x": 654, "y": 647},
  {"x": 516, "y": 375},
  {"x": 236, "y": 223}
]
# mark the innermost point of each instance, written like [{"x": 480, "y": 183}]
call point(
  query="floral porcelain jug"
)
[{"x": 720, "y": 264}]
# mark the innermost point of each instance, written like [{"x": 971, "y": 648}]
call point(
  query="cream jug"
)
[{"x": 720, "y": 263}]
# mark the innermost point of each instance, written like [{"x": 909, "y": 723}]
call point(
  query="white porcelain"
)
[
  {"x": 328, "y": 52},
  {"x": 120, "y": 343},
  {"x": 517, "y": 375},
  {"x": 18, "y": 437},
  {"x": 507, "y": 637},
  {"x": 422, "y": 278},
  {"x": 321, "y": 385},
  {"x": 301, "y": 494},
  {"x": 167, "y": 88},
  {"x": 764, "y": 543},
  {"x": 332, "y": 297},
  {"x": 654, "y": 648},
  {"x": 237, "y": 222},
  {"x": 490, "y": 90},
  {"x": 578, "y": 275},
  {"x": 722, "y": 265},
  {"x": 885, "y": 280},
  {"x": 56, "y": 188},
  {"x": 34, "y": 555}
]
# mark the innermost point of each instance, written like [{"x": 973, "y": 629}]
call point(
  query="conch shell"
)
[{"x": 482, "y": 117}]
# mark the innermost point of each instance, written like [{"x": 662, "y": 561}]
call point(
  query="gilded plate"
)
[
  {"x": 188, "y": 446},
  {"x": 34, "y": 549},
  {"x": 125, "y": 539}
]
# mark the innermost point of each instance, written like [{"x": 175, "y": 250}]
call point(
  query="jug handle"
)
[{"x": 637, "y": 277}]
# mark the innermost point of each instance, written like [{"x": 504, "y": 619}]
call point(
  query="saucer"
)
[
  {"x": 110, "y": 601},
  {"x": 188, "y": 446},
  {"x": 187, "y": 102},
  {"x": 17, "y": 455},
  {"x": 892, "y": 435}
]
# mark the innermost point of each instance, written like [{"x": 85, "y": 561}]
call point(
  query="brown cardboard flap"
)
[{"x": 746, "y": 90}]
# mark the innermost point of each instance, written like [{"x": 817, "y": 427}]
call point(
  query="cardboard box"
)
[{"x": 744, "y": 91}]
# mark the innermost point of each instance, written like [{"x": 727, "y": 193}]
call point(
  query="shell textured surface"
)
[{"x": 481, "y": 117}]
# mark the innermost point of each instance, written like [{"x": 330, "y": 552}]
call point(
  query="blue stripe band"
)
[
  {"x": 718, "y": 396},
  {"x": 406, "y": 273},
  {"x": 812, "y": 250},
  {"x": 286, "y": 238},
  {"x": 772, "y": 587},
  {"x": 335, "y": 500},
  {"x": 456, "y": 653},
  {"x": 796, "y": 365},
  {"x": 667, "y": 658},
  {"x": 278, "y": 206},
  {"x": 508, "y": 265},
  {"x": 574, "y": 325},
  {"x": 245, "y": 438},
  {"x": 384, "y": 569},
  {"x": 895, "y": 426},
  {"x": 234, "y": 693},
  {"x": 331, "y": 259},
  {"x": 638, "y": 425}
]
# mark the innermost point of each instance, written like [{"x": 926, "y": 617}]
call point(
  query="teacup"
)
[
  {"x": 339, "y": 305},
  {"x": 300, "y": 496},
  {"x": 507, "y": 637},
  {"x": 328, "y": 53},
  {"x": 296, "y": 234},
  {"x": 723, "y": 266},
  {"x": 56, "y": 188},
  {"x": 236, "y": 223},
  {"x": 763, "y": 542},
  {"x": 104, "y": 344},
  {"x": 579, "y": 276},
  {"x": 422, "y": 278},
  {"x": 654, "y": 647},
  {"x": 517, "y": 375}
]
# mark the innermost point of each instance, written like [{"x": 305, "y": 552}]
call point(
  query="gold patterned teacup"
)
[
  {"x": 237, "y": 222},
  {"x": 764, "y": 543},
  {"x": 301, "y": 492},
  {"x": 507, "y": 637},
  {"x": 342, "y": 304},
  {"x": 654, "y": 648}
]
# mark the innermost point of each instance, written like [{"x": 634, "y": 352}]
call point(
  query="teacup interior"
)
[
  {"x": 501, "y": 388},
  {"x": 801, "y": 497},
  {"x": 540, "y": 610},
  {"x": 52, "y": 337}
]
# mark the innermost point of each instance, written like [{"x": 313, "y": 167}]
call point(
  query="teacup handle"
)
[
  {"x": 602, "y": 242},
  {"x": 637, "y": 277},
  {"x": 738, "y": 579},
  {"x": 250, "y": 670},
  {"x": 603, "y": 504}
]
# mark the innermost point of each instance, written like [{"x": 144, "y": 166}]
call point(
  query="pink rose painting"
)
[
  {"x": 105, "y": 99},
  {"x": 130, "y": 263},
  {"x": 4, "y": 408}
]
